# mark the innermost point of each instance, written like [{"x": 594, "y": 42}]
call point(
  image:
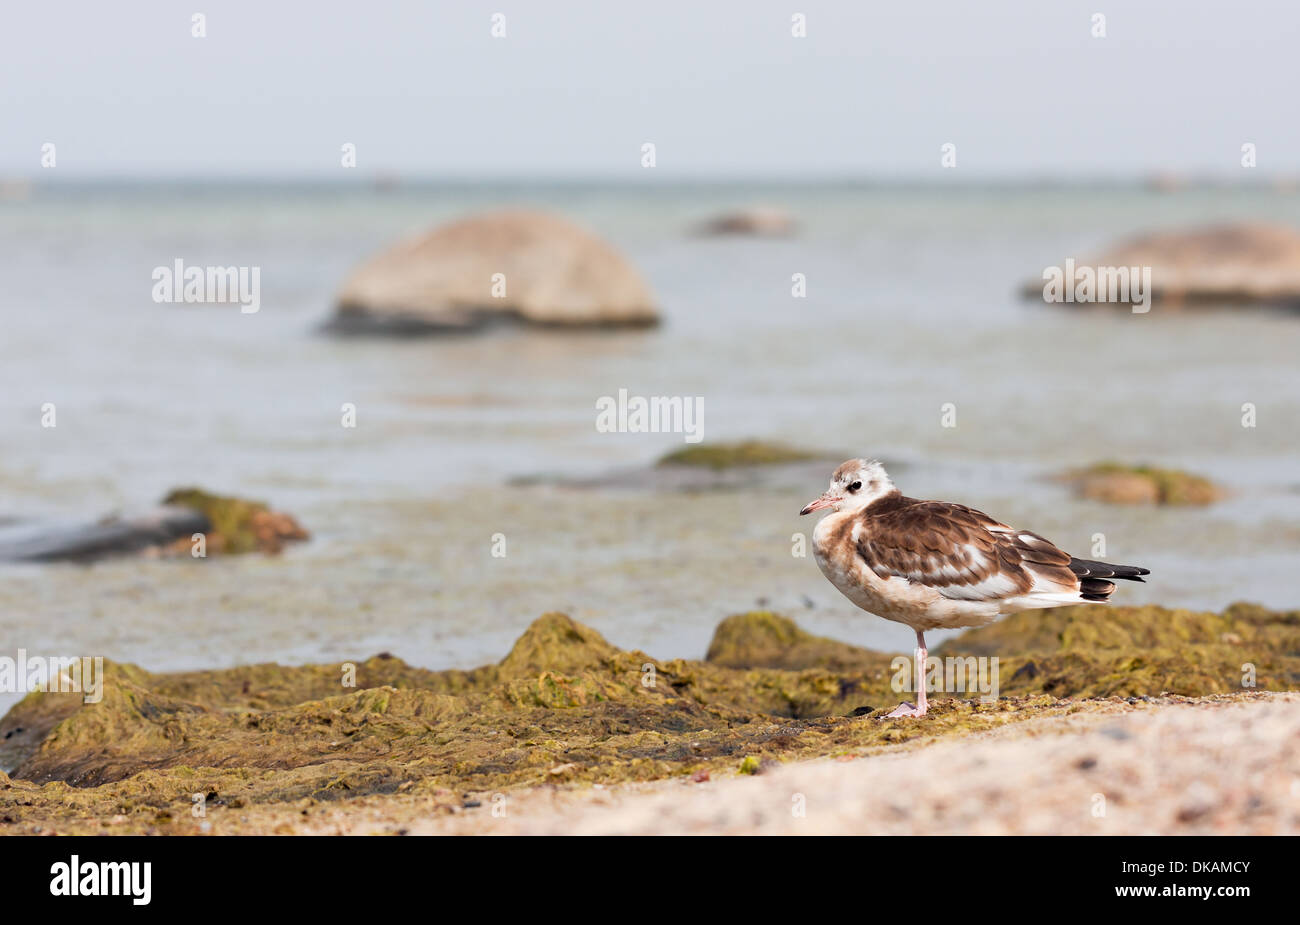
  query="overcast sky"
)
[{"x": 721, "y": 88}]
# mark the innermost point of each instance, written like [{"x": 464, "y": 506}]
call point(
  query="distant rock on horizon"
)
[
  {"x": 510, "y": 266},
  {"x": 761, "y": 221}
]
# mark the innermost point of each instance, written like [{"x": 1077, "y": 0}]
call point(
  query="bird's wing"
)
[{"x": 962, "y": 553}]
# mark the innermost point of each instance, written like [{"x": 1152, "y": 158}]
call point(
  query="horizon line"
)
[{"x": 351, "y": 177}]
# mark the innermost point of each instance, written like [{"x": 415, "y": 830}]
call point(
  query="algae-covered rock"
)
[
  {"x": 1101, "y": 651},
  {"x": 762, "y": 639},
  {"x": 1115, "y": 483},
  {"x": 271, "y": 742},
  {"x": 237, "y": 525},
  {"x": 733, "y": 455},
  {"x": 556, "y": 642}
]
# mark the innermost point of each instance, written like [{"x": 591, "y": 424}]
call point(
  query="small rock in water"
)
[
  {"x": 759, "y": 220},
  {"x": 1117, "y": 483}
]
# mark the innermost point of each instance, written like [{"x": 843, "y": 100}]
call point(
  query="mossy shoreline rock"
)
[
  {"x": 1116, "y": 483},
  {"x": 565, "y": 705},
  {"x": 761, "y": 639}
]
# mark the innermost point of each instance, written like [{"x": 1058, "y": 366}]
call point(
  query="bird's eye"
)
[{"x": 855, "y": 486}]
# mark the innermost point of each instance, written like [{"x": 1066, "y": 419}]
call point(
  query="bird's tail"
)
[{"x": 1094, "y": 583}]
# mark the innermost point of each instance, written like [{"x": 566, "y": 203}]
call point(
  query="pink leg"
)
[
  {"x": 921, "y": 656},
  {"x": 905, "y": 708}
]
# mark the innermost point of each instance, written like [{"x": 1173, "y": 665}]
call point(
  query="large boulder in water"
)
[
  {"x": 1245, "y": 263},
  {"x": 504, "y": 266}
]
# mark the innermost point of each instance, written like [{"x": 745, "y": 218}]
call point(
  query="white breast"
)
[{"x": 915, "y": 605}]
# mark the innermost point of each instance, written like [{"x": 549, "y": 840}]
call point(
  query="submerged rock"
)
[
  {"x": 84, "y": 542},
  {"x": 1115, "y": 483},
  {"x": 565, "y": 704},
  {"x": 505, "y": 266},
  {"x": 733, "y": 455},
  {"x": 746, "y": 464},
  {"x": 1223, "y": 264}
]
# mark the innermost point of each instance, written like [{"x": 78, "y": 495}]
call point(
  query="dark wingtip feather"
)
[{"x": 1089, "y": 568}]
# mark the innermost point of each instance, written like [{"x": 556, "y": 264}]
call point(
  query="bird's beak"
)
[{"x": 824, "y": 501}]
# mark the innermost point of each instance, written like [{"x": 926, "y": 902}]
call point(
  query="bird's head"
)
[{"x": 854, "y": 485}]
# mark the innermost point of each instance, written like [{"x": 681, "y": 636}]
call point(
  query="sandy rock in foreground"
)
[{"x": 523, "y": 266}]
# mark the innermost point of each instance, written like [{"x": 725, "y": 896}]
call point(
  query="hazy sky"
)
[{"x": 721, "y": 88}]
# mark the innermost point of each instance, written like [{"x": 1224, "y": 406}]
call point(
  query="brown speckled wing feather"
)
[{"x": 960, "y": 552}]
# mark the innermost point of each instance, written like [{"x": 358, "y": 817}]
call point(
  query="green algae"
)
[
  {"x": 264, "y": 744},
  {"x": 762, "y": 639},
  {"x": 238, "y": 526},
  {"x": 1100, "y": 651},
  {"x": 734, "y": 455}
]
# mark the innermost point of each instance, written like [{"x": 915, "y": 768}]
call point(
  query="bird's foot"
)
[{"x": 906, "y": 709}]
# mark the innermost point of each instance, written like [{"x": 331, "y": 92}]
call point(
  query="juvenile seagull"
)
[{"x": 939, "y": 565}]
